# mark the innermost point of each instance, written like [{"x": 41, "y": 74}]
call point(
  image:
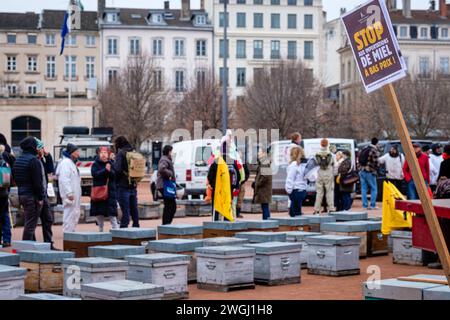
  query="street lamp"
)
[{"x": 225, "y": 70}]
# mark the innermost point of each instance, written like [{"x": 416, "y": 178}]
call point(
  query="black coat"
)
[
  {"x": 445, "y": 169},
  {"x": 100, "y": 178}
]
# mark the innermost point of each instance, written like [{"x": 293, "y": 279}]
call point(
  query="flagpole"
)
[{"x": 70, "y": 81}]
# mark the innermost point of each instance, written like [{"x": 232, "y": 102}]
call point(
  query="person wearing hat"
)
[
  {"x": 436, "y": 159},
  {"x": 424, "y": 164},
  {"x": 29, "y": 177},
  {"x": 69, "y": 183}
]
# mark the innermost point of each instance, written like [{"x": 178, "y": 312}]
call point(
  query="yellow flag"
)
[
  {"x": 392, "y": 218},
  {"x": 222, "y": 192}
]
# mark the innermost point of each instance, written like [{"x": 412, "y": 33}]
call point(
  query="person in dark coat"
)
[
  {"x": 346, "y": 190},
  {"x": 103, "y": 174},
  {"x": 444, "y": 170},
  {"x": 126, "y": 190},
  {"x": 5, "y": 221},
  {"x": 263, "y": 184},
  {"x": 166, "y": 172}
]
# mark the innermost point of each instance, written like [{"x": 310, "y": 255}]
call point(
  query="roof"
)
[
  {"x": 53, "y": 19},
  {"x": 419, "y": 17},
  {"x": 21, "y": 21}
]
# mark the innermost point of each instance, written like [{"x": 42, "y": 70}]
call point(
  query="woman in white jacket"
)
[
  {"x": 296, "y": 183},
  {"x": 69, "y": 184},
  {"x": 394, "y": 162}
]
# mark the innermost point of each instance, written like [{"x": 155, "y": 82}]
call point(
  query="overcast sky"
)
[{"x": 330, "y": 6}]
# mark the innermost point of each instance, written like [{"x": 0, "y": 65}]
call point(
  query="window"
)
[
  {"x": 70, "y": 67},
  {"x": 275, "y": 49},
  {"x": 275, "y": 21},
  {"x": 201, "y": 78},
  {"x": 222, "y": 48},
  {"x": 32, "y": 39},
  {"x": 200, "y": 19},
  {"x": 135, "y": 46},
  {"x": 50, "y": 39},
  {"x": 309, "y": 53},
  {"x": 90, "y": 67},
  {"x": 90, "y": 41},
  {"x": 240, "y": 1},
  {"x": 72, "y": 40},
  {"x": 292, "y": 21},
  {"x": 158, "y": 79},
  {"x": 258, "y": 1},
  {"x": 222, "y": 19},
  {"x": 424, "y": 66},
  {"x": 11, "y": 63},
  {"x": 32, "y": 63},
  {"x": 258, "y": 49},
  {"x": 424, "y": 32},
  {"x": 275, "y": 2},
  {"x": 444, "y": 33},
  {"x": 23, "y": 127},
  {"x": 292, "y": 50},
  {"x": 179, "y": 48},
  {"x": 240, "y": 74},
  {"x": 258, "y": 73},
  {"x": 50, "y": 70},
  {"x": 241, "y": 49},
  {"x": 111, "y": 17},
  {"x": 112, "y": 74},
  {"x": 308, "y": 2},
  {"x": 112, "y": 46},
  {"x": 292, "y": 2},
  {"x": 157, "y": 18},
  {"x": 403, "y": 31},
  {"x": 11, "y": 38},
  {"x": 240, "y": 20},
  {"x": 202, "y": 155},
  {"x": 444, "y": 66},
  {"x": 223, "y": 76},
  {"x": 258, "y": 20},
  {"x": 157, "y": 47},
  {"x": 308, "y": 21},
  {"x": 201, "y": 48},
  {"x": 179, "y": 81},
  {"x": 12, "y": 90},
  {"x": 32, "y": 89}
]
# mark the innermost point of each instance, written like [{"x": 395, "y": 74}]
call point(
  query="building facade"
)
[{"x": 263, "y": 31}]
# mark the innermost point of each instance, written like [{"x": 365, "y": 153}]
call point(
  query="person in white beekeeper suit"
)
[{"x": 69, "y": 183}]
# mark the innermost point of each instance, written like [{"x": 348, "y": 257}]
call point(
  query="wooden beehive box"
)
[
  {"x": 349, "y": 215},
  {"x": 44, "y": 270},
  {"x": 262, "y": 225},
  {"x": 259, "y": 236},
  {"x": 315, "y": 221},
  {"x": 149, "y": 210},
  {"x": 165, "y": 269},
  {"x": 212, "y": 229},
  {"x": 349, "y": 228},
  {"x": 133, "y": 236},
  {"x": 197, "y": 208},
  {"x": 293, "y": 223},
  {"x": 79, "y": 242},
  {"x": 377, "y": 242},
  {"x": 279, "y": 204},
  {"x": 116, "y": 251},
  {"x": 403, "y": 250},
  {"x": 180, "y": 231}
]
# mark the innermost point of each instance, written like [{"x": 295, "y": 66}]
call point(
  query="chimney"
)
[
  {"x": 166, "y": 5},
  {"x": 202, "y": 4},
  {"x": 391, "y": 4},
  {"x": 185, "y": 9},
  {"x": 100, "y": 8},
  {"x": 343, "y": 11},
  {"x": 443, "y": 8},
  {"x": 407, "y": 8},
  {"x": 432, "y": 5}
]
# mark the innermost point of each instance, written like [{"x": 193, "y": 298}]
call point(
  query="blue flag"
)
[{"x": 64, "y": 32}]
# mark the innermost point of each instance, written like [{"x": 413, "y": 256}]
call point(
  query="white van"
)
[
  {"x": 190, "y": 159},
  {"x": 281, "y": 156}
]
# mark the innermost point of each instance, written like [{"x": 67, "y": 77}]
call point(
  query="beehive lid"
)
[
  {"x": 226, "y": 251},
  {"x": 180, "y": 229},
  {"x": 394, "y": 289},
  {"x": 224, "y": 225},
  {"x": 30, "y": 245},
  {"x": 11, "y": 272},
  {"x": 151, "y": 259},
  {"x": 349, "y": 226},
  {"x": 260, "y": 236},
  {"x": 349, "y": 215},
  {"x": 372, "y": 225},
  {"x": 35, "y": 256},
  {"x": 316, "y": 219},
  {"x": 44, "y": 296},
  {"x": 333, "y": 240},
  {"x": 122, "y": 289},
  {"x": 292, "y": 221},
  {"x": 115, "y": 251},
  {"x": 261, "y": 224},
  {"x": 95, "y": 262},
  {"x": 175, "y": 245},
  {"x": 9, "y": 259},
  {"x": 88, "y": 236},
  {"x": 275, "y": 247},
  {"x": 224, "y": 241},
  {"x": 300, "y": 235},
  {"x": 134, "y": 233}
]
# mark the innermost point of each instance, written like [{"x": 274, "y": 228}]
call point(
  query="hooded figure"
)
[{"x": 69, "y": 182}]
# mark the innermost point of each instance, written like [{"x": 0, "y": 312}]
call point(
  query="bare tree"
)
[
  {"x": 133, "y": 103},
  {"x": 285, "y": 96}
]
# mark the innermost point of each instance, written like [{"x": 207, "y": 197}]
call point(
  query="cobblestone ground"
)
[{"x": 312, "y": 286}]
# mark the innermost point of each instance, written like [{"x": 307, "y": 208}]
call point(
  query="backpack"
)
[
  {"x": 443, "y": 189},
  {"x": 324, "y": 161},
  {"x": 364, "y": 156},
  {"x": 5, "y": 174},
  {"x": 136, "y": 166}
]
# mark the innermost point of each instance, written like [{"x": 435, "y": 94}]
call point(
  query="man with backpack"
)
[
  {"x": 130, "y": 170},
  {"x": 368, "y": 163},
  {"x": 325, "y": 179}
]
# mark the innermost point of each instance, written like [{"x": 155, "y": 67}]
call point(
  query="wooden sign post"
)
[{"x": 380, "y": 63}]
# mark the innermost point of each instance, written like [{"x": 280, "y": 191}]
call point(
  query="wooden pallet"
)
[
  {"x": 225, "y": 288},
  {"x": 278, "y": 282},
  {"x": 331, "y": 273}
]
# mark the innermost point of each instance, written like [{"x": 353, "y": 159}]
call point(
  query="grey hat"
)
[{"x": 71, "y": 148}]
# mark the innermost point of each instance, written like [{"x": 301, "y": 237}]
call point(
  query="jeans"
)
[
  {"x": 368, "y": 180},
  {"x": 297, "y": 197},
  {"x": 346, "y": 199},
  {"x": 34, "y": 211},
  {"x": 266, "y": 211},
  {"x": 5, "y": 222},
  {"x": 129, "y": 205},
  {"x": 412, "y": 191}
]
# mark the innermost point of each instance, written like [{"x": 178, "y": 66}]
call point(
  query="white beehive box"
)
[
  {"x": 403, "y": 250},
  {"x": 121, "y": 290},
  {"x": 12, "y": 282}
]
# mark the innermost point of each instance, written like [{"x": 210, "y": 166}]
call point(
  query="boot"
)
[
  {"x": 114, "y": 223},
  {"x": 238, "y": 213}
]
